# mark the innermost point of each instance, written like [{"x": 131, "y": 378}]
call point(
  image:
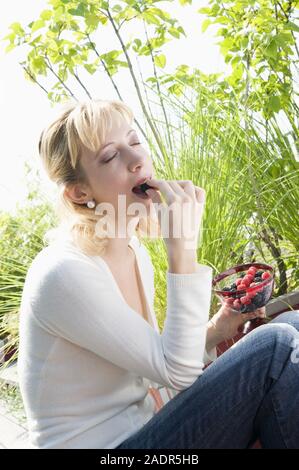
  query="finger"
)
[
  {"x": 193, "y": 191},
  {"x": 249, "y": 316},
  {"x": 154, "y": 195},
  {"x": 200, "y": 194},
  {"x": 177, "y": 188},
  {"x": 261, "y": 312},
  {"x": 165, "y": 189},
  {"x": 188, "y": 188}
]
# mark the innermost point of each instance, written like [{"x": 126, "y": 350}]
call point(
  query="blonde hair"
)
[{"x": 60, "y": 146}]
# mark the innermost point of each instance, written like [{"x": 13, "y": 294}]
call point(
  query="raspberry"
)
[
  {"x": 241, "y": 286},
  {"x": 252, "y": 270},
  {"x": 266, "y": 275},
  {"x": 251, "y": 294},
  {"x": 245, "y": 300},
  {"x": 248, "y": 279}
]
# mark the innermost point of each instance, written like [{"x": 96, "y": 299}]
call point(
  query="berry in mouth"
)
[{"x": 141, "y": 188}]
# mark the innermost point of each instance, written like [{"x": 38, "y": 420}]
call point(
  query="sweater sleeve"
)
[{"x": 76, "y": 301}]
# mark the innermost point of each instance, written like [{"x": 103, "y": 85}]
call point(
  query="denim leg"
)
[
  {"x": 279, "y": 410},
  {"x": 219, "y": 410},
  {"x": 292, "y": 318}
]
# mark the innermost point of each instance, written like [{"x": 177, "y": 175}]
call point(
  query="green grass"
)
[{"x": 11, "y": 398}]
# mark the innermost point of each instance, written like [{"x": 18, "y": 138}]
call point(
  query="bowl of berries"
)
[{"x": 245, "y": 287}]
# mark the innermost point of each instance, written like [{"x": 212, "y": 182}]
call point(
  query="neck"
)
[{"x": 118, "y": 249}]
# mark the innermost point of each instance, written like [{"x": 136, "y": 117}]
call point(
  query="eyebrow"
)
[{"x": 109, "y": 143}]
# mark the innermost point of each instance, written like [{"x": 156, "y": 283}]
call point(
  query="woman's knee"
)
[
  {"x": 291, "y": 318},
  {"x": 273, "y": 333}
]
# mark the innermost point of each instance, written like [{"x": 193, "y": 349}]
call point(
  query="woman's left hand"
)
[{"x": 227, "y": 321}]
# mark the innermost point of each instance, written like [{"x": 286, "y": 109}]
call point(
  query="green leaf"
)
[
  {"x": 103, "y": 19},
  {"x": 46, "y": 15},
  {"x": 228, "y": 58},
  {"x": 206, "y": 23},
  {"x": 137, "y": 44},
  {"x": 151, "y": 80},
  {"x": 38, "y": 62},
  {"x": 122, "y": 63},
  {"x": 204, "y": 10},
  {"x": 91, "y": 20},
  {"x": 11, "y": 37},
  {"x": 291, "y": 26},
  {"x": 181, "y": 30},
  {"x": 10, "y": 47},
  {"x": 37, "y": 25},
  {"x": 221, "y": 32},
  {"x": 117, "y": 8},
  {"x": 174, "y": 32},
  {"x": 79, "y": 11},
  {"x": 226, "y": 45},
  {"x": 160, "y": 60},
  {"x": 175, "y": 89},
  {"x": 274, "y": 103},
  {"x": 271, "y": 50},
  {"x": 150, "y": 18},
  {"x": 17, "y": 28},
  {"x": 235, "y": 60},
  {"x": 222, "y": 20}
]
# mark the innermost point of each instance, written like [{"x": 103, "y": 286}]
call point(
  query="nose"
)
[{"x": 136, "y": 160}]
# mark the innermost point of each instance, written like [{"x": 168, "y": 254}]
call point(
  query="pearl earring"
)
[{"x": 91, "y": 204}]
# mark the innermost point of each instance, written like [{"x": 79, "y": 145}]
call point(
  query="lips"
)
[{"x": 136, "y": 187}]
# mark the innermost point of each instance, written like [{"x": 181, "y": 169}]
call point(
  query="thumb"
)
[{"x": 154, "y": 195}]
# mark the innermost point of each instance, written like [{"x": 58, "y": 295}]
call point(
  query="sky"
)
[{"x": 26, "y": 110}]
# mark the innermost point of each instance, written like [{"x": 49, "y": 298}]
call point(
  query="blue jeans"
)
[{"x": 250, "y": 392}]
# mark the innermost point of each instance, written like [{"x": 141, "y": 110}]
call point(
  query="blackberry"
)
[
  {"x": 258, "y": 279},
  {"x": 251, "y": 307},
  {"x": 226, "y": 289},
  {"x": 233, "y": 287},
  {"x": 144, "y": 187},
  {"x": 258, "y": 299},
  {"x": 244, "y": 309},
  {"x": 258, "y": 274}
]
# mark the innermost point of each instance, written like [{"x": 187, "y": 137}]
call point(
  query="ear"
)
[{"x": 77, "y": 193}]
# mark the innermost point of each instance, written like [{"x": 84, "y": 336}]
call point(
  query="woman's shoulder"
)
[
  {"x": 63, "y": 258},
  {"x": 59, "y": 257}
]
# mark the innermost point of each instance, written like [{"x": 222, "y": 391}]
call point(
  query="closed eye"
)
[{"x": 107, "y": 161}]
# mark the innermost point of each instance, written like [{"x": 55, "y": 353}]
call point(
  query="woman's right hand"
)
[{"x": 180, "y": 217}]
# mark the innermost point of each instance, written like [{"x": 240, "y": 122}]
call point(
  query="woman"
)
[{"x": 94, "y": 370}]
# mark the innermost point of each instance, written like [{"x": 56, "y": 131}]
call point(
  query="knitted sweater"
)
[{"x": 92, "y": 371}]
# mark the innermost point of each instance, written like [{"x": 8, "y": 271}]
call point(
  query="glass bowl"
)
[{"x": 245, "y": 287}]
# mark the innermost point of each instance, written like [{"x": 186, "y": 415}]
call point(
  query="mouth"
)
[{"x": 141, "y": 187}]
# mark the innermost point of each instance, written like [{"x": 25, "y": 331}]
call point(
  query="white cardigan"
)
[{"x": 86, "y": 359}]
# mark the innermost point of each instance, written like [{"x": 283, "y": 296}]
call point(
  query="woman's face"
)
[{"x": 116, "y": 168}]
